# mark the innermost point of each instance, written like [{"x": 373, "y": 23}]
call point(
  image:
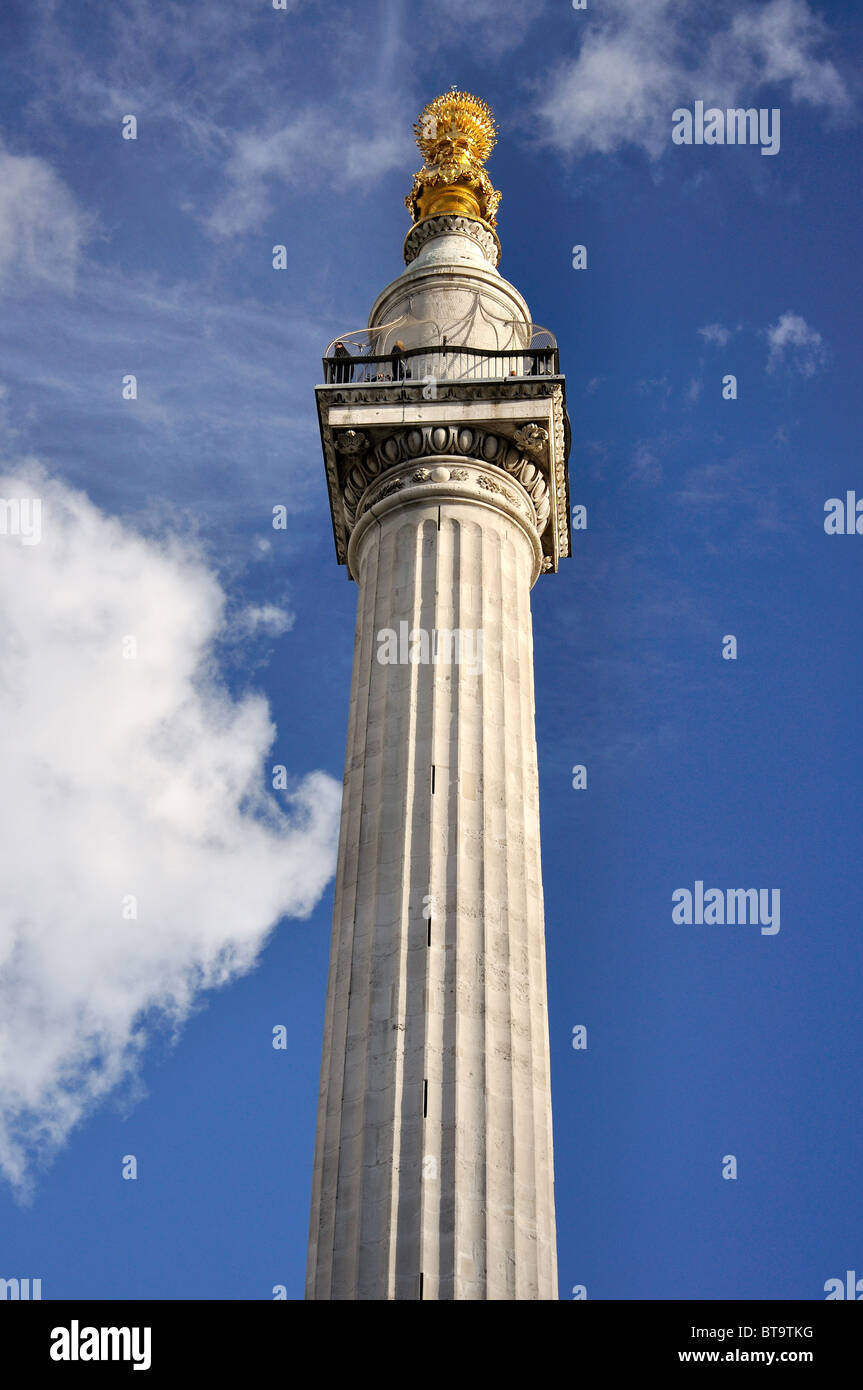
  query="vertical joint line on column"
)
[
  {"x": 432, "y": 778},
  {"x": 425, "y": 1098},
  {"x": 421, "y": 1286},
  {"x": 438, "y": 518}
]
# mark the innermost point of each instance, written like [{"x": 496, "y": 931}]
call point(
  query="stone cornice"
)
[{"x": 515, "y": 428}]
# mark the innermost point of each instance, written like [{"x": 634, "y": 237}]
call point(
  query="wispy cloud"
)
[
  {"x": 716, "y": 334},
  {"x": 795, "y": 345},
  {"x": 639, "y": 59},
  {"x": 646, "y": 468},
  {"x": 316, "y": 148},
  {"x": 490, "y": 26},
  {"x": 738, "y": 497},
  {"x": 659, "y": 387},
  {"x": 42, "y": 227},
  {"x": 201, "y": 74},
  {"x": 266, "y": 619},
  {"x": 221, "y": 424}
]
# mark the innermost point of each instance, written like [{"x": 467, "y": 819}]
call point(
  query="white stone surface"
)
[
  {"x": 452, "y": 249},
  {"x": 450, "y": 291}
]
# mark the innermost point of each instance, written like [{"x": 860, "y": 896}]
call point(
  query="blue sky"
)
[{"x": 151, "y": 1034}]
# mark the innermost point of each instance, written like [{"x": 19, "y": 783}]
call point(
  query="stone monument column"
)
[{"x": 446, "y": 465}]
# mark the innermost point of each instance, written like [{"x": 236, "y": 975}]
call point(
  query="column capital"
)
[{"x": 439, "y": 478}]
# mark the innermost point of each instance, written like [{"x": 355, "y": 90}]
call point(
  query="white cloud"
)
[
  {"x": 778, "y": 43},
  {"x": 715, "y": 333},
  {"x": 125, "y": 777},
  {"x": 640, "y": 59},
  {"x": 265, "y": 618},
  {"x": 42, "y": 228},
  {"x": 793, "y": 343}
]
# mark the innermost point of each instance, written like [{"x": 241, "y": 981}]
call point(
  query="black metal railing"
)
[{"x": 430, "y": 365}]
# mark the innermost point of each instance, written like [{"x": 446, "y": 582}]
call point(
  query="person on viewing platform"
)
[
  {"x": 400, "y": 370},
  {"x": 342, "y": 367}
]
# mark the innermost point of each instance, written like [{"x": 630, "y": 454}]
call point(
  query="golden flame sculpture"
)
[{"x": 456, "y": 134}]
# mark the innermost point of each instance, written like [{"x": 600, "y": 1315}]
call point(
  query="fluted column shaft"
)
[{"x": 433, "y": 1169}]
